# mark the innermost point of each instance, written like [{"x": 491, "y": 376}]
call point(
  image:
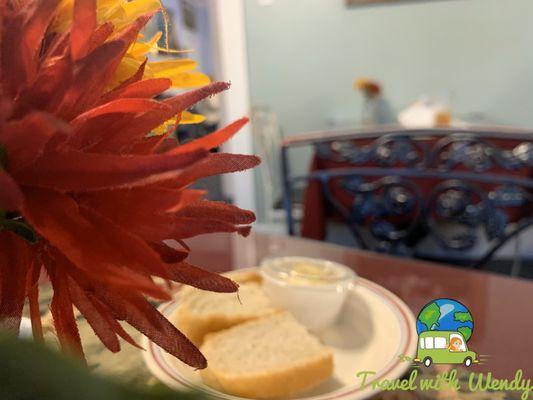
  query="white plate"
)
[{"x": 375, "y": 328}]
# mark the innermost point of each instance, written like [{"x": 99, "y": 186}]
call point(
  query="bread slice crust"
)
[
  {"x": 283, "y": 381},
  {"x": 279, "y": 384},
  {"x": 197, "y": 313}
]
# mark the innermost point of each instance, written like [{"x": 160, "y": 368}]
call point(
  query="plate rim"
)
[{"x": 156, "y": 363}]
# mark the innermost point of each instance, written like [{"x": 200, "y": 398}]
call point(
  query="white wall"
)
[{"x": 305, "y": 54}]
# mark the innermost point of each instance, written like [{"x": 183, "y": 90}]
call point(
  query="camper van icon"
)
[
  {"x": 444, "y": 327},
  {"x": 444, "y": 347}
]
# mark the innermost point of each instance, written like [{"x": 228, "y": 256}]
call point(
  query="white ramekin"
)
[{"x": 316, "y": 305}]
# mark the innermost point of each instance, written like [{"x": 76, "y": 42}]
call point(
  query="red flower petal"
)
[
  {"x": 147, "y": 88},
  {"x": 49, "y": 88},
  {"x": 32, "y": 292},
  {"x": 93, "y": 73},
  {"x": 127, "y": 131},
  {"x": 99, "y": 325},
  {"x": 12, "y": 61},
  {"x": 186, "y": 100},
  {"x": 122, "y": 308},
  {"x": 97, "y": 130},
  {"x": 106, "y": 313},
  {"x": 98, "y": 69},
  {"x": 201, "y": 279},
  {"x": 124, "y": 205},
  {"x": 98, "y": 297},
  {"x": 83, "y": 27},
  {"x": 57, "y": 218},
  {"x": 133, "y": 249},
  {"x": 88, "y": 172},
  {"x": 184, "y": 228},
  {"x": 21, "y": 43},
  {"x": 214, "y": 139},
  {"x": 145, "y": 145},
  {"x": 161, "y": 228},
  {"x": 100, "y": 35},
  {"x": 63, "y": 313},
  {"x": 15, "y": 260},
  {"x": 21, "y": 153},
  {"x": 122, "y": 106},
  {"x": 141, "y": 210},
  {"x": 145, "y": 318},
  {"x": 130, "y": 33},
  {"x": 40, "y": 14},
  {"x": 205, "y": 209},
  {"x": 168, "y": 254},
  {"x": 215, "y": 164},
  {"x": 11, "y": 196},
  {"x": 116, "y": 92},
  {"x": 35, "y": 314}
]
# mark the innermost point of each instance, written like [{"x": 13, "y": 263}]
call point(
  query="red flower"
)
[{"x": 86, "y": 195}]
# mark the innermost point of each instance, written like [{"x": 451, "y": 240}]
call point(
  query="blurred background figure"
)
[{"x": 376, "y": 109}]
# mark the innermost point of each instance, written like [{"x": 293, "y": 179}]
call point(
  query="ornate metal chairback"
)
[{"x": 395, "y": 188}]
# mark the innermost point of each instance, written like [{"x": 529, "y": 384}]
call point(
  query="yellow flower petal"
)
[
  {"x": 122, "y": 12},
  {"x": 189, "y": 80},
  {"x": 107, "y": 11},
  {"x": 172, "y": 67},
  {"x": 107, "y": 8},
  {"x": 153, "y": 41},
  {"x": 112, "y": 11},
  {"x": 187, "y": 118},
  {"x": 141, "y": 49},
  {"x": 136, "y": 8},
  {"x": 190, "y": 118},
  {"x": 179, "y": 71},
  {"x": 164, "y": 127},
  {"x": 106, "y": 4},
  {"x": 63, "y": 16},
  {"x": 125, "y": 70}
]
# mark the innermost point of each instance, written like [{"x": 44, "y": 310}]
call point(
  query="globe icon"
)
[{"x": 445, "y": 315}]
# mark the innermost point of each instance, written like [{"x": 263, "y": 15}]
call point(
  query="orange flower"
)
[
  {"x": 86, "y": 195},
  {"x": 369, "y": 87}
]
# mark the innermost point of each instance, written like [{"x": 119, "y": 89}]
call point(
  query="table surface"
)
[{"x": 502, "y": 307}]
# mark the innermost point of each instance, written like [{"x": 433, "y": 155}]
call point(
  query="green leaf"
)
[
  {"x": 32, "y": 371},
  {"x": 20, "y": 228}
]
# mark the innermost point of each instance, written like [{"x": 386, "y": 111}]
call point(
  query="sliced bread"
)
[
  {"x": 270, "y": 357},
  {"x": 201, "y": 312}
]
